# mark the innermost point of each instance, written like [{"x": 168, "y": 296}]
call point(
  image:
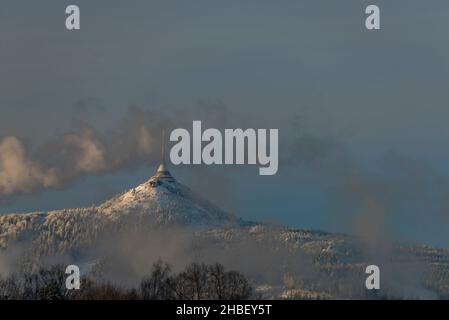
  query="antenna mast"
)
[{"x": 163, "y": 146}]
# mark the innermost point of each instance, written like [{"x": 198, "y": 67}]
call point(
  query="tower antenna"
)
[
  {"x": 162, "y": 174},
  {"x": 163, "y": 146}
]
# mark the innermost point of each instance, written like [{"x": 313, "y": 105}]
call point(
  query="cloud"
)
[
  {"x": 133, "y": 140},
  {"x": 363, "y": 201},
  {"x": 302, "y": 147},
  {"x": 10, "y": 260},
  {"x": 89, "y": 104},
  {"x": 91, "y": 154},
  {"x": 82, "y": 150},
  {"x": 398, "y": 197},
  {"x": 19, "y": 174},
  {"x": 125, "y": 260}
]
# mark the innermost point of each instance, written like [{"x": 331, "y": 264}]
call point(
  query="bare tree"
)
[
  {"x": 10, "y": 288},
  {"x": 236, "y": 287},
  {"x": 218, "y": 281},
  {"x": 199, "y": 281},
  {"x": 45, "y": 284},
  {"x": 157, "y": 285}
]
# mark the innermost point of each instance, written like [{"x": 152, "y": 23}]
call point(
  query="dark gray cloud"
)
[
  {"x": 90, "y": 104},
  {"x": 134, "y": 140},
  {"x": 82, "y": 150},
  {"x": 267, "y": 61}
]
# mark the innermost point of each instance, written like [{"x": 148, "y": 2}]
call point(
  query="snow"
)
[{"x": 166, "y": 204}]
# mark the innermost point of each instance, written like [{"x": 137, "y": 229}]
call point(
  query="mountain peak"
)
[
  {"x": 161, "y": 201},
  {"x": 162, "y": 175},
  {"x": 166, "y": 201}
]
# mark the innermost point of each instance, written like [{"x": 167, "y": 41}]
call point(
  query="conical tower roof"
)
[{"x": 162, "y": 172}]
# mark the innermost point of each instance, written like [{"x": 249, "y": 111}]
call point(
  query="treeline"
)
[{"x": 196, "y": 281}]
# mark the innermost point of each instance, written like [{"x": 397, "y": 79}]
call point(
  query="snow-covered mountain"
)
[
  {"x": 159, "y": 202},
  {"x": 165, "y": 201},
  {"x": 310, "y": 263}
]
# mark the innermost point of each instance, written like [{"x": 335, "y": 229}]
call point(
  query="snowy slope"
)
[
  {"x": 321, "y": 260},
  {"x": 159, "y": 202},
  {"x": 165, "y": 204}
]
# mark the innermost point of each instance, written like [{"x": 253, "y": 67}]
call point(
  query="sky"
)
[{"x": 362, "y": 115}]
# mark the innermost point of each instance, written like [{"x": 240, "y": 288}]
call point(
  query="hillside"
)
[{"x": 163, "y": 218}]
